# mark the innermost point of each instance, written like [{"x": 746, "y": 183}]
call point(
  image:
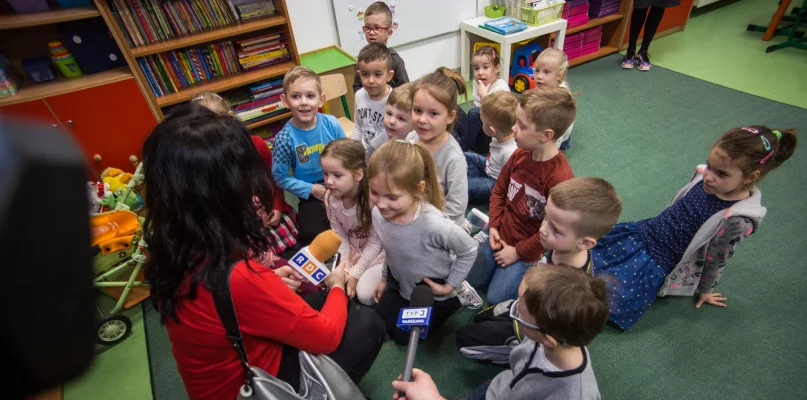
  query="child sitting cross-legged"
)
[
  {"x": 498, "y": 117},
  {"x": 298, "y": 146},
  {"x": 519, "y": 196},
  {"x": 579, "y": 212},
  {"x": 560, "y": 310}
]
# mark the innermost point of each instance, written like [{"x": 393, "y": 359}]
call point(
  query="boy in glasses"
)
[
  {"x": 377, "y": 29},
  {"x": 560, "y": 310},
  {"x": 578, "y": 212}
]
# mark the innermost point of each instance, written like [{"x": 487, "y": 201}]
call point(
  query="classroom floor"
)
[{"x": 645, "y": 132}]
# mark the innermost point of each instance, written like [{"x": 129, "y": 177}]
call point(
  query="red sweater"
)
[
  {"x": 519, "y": 197},
  {"x": 269, "y": 315},
  {"x": 279, "y": 202}
]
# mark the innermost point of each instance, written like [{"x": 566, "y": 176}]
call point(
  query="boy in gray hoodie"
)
[{"x": 560, "y": 310}]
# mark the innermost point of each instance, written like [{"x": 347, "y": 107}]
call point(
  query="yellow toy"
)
[{"x": 116, "y": 178}]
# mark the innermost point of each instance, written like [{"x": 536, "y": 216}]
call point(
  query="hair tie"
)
[
  {"x": 412, "y": 142},
  {"x": 778, "y": 135},
  {"x": 492, "y": 50},
  {"x": 749, "y": 129}
]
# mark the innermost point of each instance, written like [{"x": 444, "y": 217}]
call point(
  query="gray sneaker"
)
[{"x": 468, "y": 296}]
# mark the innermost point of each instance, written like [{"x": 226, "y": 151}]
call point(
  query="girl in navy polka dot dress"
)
[{"x": 684, "y": 249}]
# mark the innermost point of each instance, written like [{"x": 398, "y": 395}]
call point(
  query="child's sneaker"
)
[
  {"x": 482, "y": 236},
  {"x": 629, "y": 60},
  {"x": 475, "y": 221},
  {"x": 643, "y": 59},
  {"x": 468, "y": 296}
]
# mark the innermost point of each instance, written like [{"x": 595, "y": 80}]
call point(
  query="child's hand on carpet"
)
[
  {"x": 506, "y": 256},
  {"x": 711, "y": 298}
]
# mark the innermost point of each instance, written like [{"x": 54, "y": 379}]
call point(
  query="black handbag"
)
[{"x": 320, "y": 378}]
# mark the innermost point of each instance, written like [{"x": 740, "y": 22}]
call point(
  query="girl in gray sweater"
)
[{"x": 422, "y": 246}]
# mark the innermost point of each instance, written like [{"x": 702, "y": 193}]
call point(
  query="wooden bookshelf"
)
[
  {"x": 34, "y": 91},
  {"x": 277, "y": 22},
  {"x": 602, "y": 52},
  {"x": 595, "y": 23},
  {"x": 269, "y": 120},
  {"x": 226, "y": 83},
  {"x": 12, "y": 21},
  {"x": 209, "y": 36}
]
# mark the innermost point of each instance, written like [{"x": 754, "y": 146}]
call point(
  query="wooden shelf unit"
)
[
  {"x": 61, "y": 85},
  {"x": 269, "y": 120},
  {"x": 209, "y": 36},
  {"x": 613, "y": 30},
  {"x": 226, "y": 83},
  {"x": 279, "y": 21},
  {"x": 593, "y": 23},
  {"x": 602, "y": 52},
  {"x": 13, "y": 21}
]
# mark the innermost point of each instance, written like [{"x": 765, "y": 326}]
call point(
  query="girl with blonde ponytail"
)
[{"x": 418, "y": 240}]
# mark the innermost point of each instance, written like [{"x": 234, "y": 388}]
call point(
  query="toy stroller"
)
[{"x": 120, "y": 253}]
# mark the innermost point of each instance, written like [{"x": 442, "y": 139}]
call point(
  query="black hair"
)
[{"x": 202, "y": 174}]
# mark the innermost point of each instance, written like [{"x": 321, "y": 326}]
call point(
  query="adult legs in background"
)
[
  {"x": 650, "y": 20},
  {"x": 312, "y": 219},
  {"x": 390, "y": 306},
  {"x": 361, "y": 342},
  {"x": 472, "y": 128},
  {"x": 480, "y": 185},
  {"x": 367, "y": 283}
]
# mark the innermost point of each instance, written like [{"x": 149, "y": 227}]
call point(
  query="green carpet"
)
[
  {"x": 716, "y": 47},
  {"x": 750, "y": 350}
]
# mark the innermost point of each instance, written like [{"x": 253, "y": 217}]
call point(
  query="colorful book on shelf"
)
[
  {"x": 149, "y": 21},
  {"x": 504, "y": 25}
]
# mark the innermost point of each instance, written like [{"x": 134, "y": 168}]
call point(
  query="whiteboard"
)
[{"x": 416, "y": 20}]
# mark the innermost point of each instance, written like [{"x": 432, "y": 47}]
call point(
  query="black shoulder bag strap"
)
[{"x": 226, "y": 311}]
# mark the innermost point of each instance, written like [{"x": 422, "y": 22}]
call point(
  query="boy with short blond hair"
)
[
  {"x": 519, "y": 196},
  {"x": 560, "y": 310},
  {"x": 378, "y": 27},
  {"x": 498, "y": 113},
  {"x": 579, "y": 212},
  {"x": 397, "y": 118},
  {"x": 298, "y": 146},
  {"x": 374, "y": 65}
]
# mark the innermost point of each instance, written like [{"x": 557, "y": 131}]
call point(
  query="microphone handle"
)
[{"x": 409, "y": 363}]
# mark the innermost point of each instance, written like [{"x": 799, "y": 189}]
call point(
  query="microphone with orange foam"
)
[{"x": 310, "y": 260}]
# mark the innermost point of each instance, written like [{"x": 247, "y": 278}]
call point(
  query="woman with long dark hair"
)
[{"x": 202, "y": 173}]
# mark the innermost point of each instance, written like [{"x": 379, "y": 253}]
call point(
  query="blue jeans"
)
[
  {"x": 478, "y": 393},
  {"x": 502, "y": 282},
  {"x": 480, "y": 185},
  {"x": 473, "y": 127}
]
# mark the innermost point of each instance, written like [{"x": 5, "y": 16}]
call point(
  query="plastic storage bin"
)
[
  {"x": 541, "y": 16},
  {"x": 91, "y": 43},
  {"x": 39, "y": 69}
]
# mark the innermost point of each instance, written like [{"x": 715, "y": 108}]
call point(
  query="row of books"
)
[
  {"x": 262, "y": 51},
  {"x": 575, "y": 12},
  {"x": 150, "y": 21},
  {"x": 173, "y": 70},
  {"x": 262, "y": 101},
  {"x": 248, "y": 9}
]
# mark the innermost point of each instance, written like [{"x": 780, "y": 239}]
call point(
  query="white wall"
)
[{"x": 314, "y": 28}]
